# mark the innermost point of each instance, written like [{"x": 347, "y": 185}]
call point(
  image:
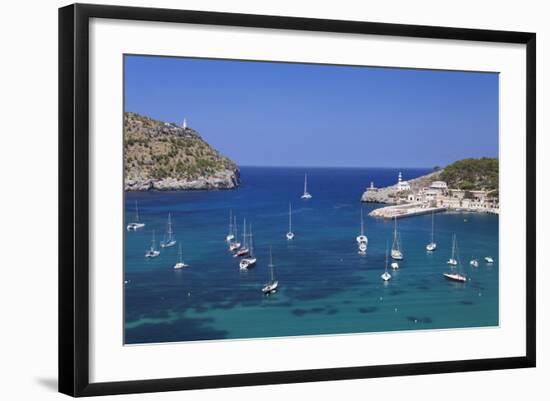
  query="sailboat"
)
[
  {"x": 455, "y": 276},
  {"x": 243, "y": 250},
  {"x": 169, "y": 239},
  {"x": 386, "y": 276},
  {"x": 306, "y": 194},
  {"x": 474, "y": 262},
  {"x": 250, "y": 260},
  {"x": 152, "y": 252},
  {"x": 362, "y": 239},
  {"x": 432, "y": 245},
  {"x": 488, "y": 259},
  {"x": 395, "y": 249},
  {"x": 180, "y": 263},
  {"x": 271, "y": 286},
  {"x": 452, "y": 261},
  {"x": 230, "y": 236},
  {"x": 289, "y": 234},
  {"x": 234, "y": 244},
  {"x": 136, "y": 224}
]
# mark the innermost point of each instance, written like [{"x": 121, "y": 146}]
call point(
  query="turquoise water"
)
[{"x": 325, "y": 286}]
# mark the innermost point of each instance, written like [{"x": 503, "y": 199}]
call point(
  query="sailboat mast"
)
[
  {"x": 137, "y": 213},
  {"x": 433, "y": 213},
  {"x": 395, "y": 244},
  {"x": 454, "y": 246},
  {"x": 251, "y": 244},
  {"x": 290, "y": 217},
  {"x": 235, "y": 227},
  {"x": 362, "y": 224},
  {"x": 170, "y": 232},
  {"x": 305, "y": 183},
  {"x": 271, "y": 263},
  {"x": 244, "y": 233},
  {"x": 386, "y": 264}
]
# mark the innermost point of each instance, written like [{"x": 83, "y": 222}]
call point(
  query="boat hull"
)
[{"x": 455, "y": 277}]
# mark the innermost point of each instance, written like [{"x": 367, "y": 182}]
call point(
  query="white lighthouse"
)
[
  {"x": 402, "y": 185},
  {"x": 184, "y": 125}
]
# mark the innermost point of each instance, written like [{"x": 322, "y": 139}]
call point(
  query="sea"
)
[{"x": 325, "y": 285}]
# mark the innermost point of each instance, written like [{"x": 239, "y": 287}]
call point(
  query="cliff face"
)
[{"x": 162, "y": 156}]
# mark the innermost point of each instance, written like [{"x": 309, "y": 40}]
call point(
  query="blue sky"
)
[{"x": 278, "y": 114}]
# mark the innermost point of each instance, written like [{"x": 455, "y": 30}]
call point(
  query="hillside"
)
[
  {"x": 472, "y": 174},
  {"x": 163, "y": 156}
]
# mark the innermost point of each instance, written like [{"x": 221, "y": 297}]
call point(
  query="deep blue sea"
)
[{"x": 325, "y": 286}]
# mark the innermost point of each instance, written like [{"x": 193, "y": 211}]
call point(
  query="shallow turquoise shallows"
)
[{"x": 325, "y": 286}]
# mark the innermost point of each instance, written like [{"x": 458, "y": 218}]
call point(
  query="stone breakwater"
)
[{"x": 225, "y": 179}]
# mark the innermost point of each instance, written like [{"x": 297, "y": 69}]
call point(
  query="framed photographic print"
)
[{"x": 249, "y": 199}]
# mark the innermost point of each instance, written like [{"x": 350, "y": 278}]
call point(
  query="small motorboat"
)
[
  {"x": 474, "y": 263},
  {"x": 489, "y": 259}
]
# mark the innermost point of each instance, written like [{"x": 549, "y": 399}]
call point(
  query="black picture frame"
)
[{"x": 74, "y": 198}]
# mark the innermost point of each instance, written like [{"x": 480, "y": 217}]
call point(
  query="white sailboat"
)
[
  {"x": 453, "y": 261},
  {"x": 152, "y": 252},
  {"x": 432, "y": 245},
  {"x": 488, "y": 259},
  {"x": 230, "y": 236},
  {"x": 249, "y": 261},
  {"x": 456, "y": 276},
  {"x": 394, "y": 265},
  {"x": 396, "y": 248},
  {"x": 169, "y": 239},
  {"x": 234, "y": 244},
  {"x": 289, "y": 234},
  {"x": 362, "y": 240},
  {"x": 386, "y": 276},
  {"x": 306, "y": 194},
  {"x": 180, "y": 263},
  {"x": 133, "y": 226},
  {"x": 271, "y": 286},
  {"x": 243, "y": 250},
  {"x": 474, "y": 262}
]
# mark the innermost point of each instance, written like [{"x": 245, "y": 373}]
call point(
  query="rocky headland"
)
[{"x": 163, "y": 156}]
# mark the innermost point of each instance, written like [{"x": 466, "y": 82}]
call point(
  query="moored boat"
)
[
  {"x": 180, "y": 264},
  {"x": 249, "y": 261},
  {"x": 271, "y": 286},
  {"x": 290, "y": 234},
  {"x": 169, "y": 239},
  {"x": 137, "y": 224},
  {"x": 396, "y": 246},
  {"x": 152, "y": 252},
  {"x": 432, "y": 246},
  {"x": 452, "y": 260},
  {"x": 306, "y": 194}
]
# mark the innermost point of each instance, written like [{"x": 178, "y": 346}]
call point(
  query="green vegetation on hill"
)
[
  {"x": 157, "y": 150},
  {"x": 472, "y": 174}
]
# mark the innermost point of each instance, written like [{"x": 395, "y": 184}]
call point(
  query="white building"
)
[
  {"x": 402, "y": 185},
  {"x": 184, "y": 125},
  {"x": 438, "y": 185}
]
